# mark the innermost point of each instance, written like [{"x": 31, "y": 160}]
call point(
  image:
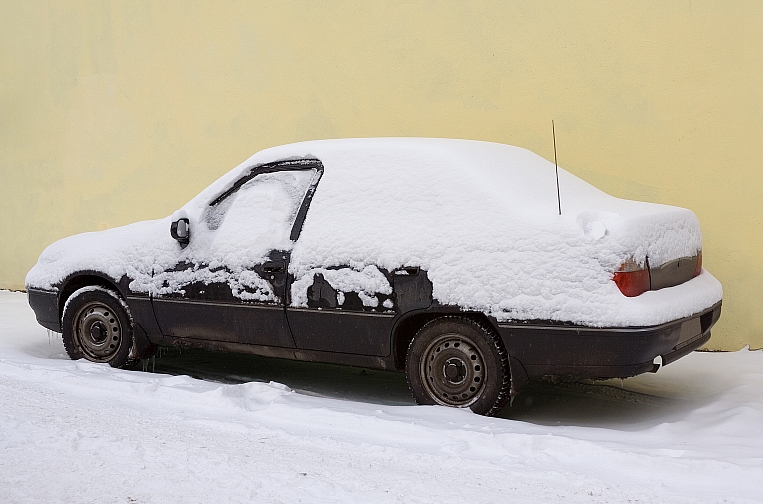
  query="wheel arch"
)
[
  {"x": 84, "y": 279},
  {"x": 409, "y": 324}
]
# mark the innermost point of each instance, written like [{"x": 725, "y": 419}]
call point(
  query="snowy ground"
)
[{"x": 80, "y": 432}]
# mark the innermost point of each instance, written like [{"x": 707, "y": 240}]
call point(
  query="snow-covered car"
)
[{"x": 454, "y": 260}]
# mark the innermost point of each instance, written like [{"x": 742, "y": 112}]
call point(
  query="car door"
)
[
  {"x": 353, "y": 310},
  {"x": 229, "y": 283},
  {"x": 340, "y": 315}
]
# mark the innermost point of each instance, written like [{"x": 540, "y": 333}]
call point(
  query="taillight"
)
[
  {"x": 698, "y": 266},
  {"x": 632, "y": 279}
]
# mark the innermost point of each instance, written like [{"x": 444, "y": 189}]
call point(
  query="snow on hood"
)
[{"x": 481, "y": 218}]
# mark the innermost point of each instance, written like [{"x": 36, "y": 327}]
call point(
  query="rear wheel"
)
[
  {"x": 455, "y": 361},
  {"x": 97, "y": 326}
]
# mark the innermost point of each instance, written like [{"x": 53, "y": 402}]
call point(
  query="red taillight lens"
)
[
  {"x": 698, "y": 266},
  {"x": 632, "y": 279}
]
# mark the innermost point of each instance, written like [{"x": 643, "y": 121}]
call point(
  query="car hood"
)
[{"x": 132, "y": 251}]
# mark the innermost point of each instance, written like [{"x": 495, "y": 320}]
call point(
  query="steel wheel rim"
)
[
  {"x": 98, "y": 331},
  {"x": 453, "y": 371}
]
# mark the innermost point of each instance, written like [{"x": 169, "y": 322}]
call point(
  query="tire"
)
[
  {"x": 97, "y": 326},
  {"x": 459, "y": 362}
]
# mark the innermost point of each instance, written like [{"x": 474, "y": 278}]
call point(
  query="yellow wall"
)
[{"x": 115, "y": 112}]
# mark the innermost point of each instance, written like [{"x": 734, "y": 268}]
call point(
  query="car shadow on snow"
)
[
  {"x": 310, "y": 378},
  {"x": 592, "y": 404}
]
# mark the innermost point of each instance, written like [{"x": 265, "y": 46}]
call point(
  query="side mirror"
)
[{"x": 180, "y": 230}]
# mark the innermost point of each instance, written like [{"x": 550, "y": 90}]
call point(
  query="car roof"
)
[{"x": 508, "y": 174}]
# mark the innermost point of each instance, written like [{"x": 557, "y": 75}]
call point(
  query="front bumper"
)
[
  {"x": 45, "y": 306},
  {"x": 614, "y": 352}
]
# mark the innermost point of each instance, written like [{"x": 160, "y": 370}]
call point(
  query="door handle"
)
[
  {"x": 274, "y": 267},
  {"x": 408, "y": 270}
]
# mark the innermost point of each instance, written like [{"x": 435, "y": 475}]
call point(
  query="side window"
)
[{"x": 258, "y": 217}]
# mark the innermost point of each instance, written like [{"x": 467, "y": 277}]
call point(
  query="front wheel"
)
[
  {"x": 455, "y": 361},
  {"x": 97, "y": 326}
]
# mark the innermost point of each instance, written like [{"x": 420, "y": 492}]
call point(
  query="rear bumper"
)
[
  {"x": 587, "y": 352},
  {"x": 45, "y": 307}
]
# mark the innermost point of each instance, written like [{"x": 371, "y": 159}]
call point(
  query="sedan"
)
[{"x": 473, "y": 267}]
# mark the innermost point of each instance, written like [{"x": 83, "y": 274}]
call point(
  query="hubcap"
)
[
  {"x": 453, "y": 370},
  {"x": 98, "y": 331}
]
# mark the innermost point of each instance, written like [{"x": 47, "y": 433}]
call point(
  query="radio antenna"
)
[{"x": 558, "y": 197}]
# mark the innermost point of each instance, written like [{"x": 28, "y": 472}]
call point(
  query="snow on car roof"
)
[
  {"x": 481, "y": 219},
  {"x": 525, "y": 178}
]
